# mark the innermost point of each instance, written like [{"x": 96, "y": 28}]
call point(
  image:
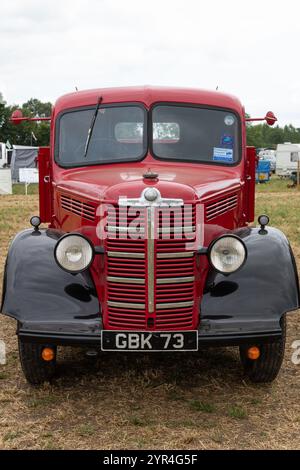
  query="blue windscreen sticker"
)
[
  {"x": 227, "y": 141},
  {"x": 223, "y": 155}
]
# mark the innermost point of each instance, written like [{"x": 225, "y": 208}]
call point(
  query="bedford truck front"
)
[{"x": 148, "y": 196}]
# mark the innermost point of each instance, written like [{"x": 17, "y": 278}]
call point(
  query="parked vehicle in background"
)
[
  {"x": 263, "y": 171},
  {"x": 268, "y": 155},
  {"x": 3, "y": 155},
  {"x": 287, "y": 159}
]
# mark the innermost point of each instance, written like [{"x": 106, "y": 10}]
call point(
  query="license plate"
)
[{"x": 149, "y": 341}]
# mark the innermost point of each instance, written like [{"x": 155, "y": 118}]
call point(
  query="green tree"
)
[
  {"x": 24, "y": 133},
  {"x": 36, "y": 108},
  {"x": 264, "y": 136}
]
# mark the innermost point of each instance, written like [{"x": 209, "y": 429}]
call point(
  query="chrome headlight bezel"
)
[
  {"x": 89, "y": 246},
  {"x": 213, "y": 245}
]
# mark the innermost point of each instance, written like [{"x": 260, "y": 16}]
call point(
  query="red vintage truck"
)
[{"x": 148, "y": 196}]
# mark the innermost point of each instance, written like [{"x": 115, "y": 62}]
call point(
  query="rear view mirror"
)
[
  {"x": 17, "y": 117},
  {"x": 270, "y": 118}
]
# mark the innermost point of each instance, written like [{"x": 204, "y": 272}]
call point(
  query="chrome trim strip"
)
[
  {"x": 122, "y": 254},
  {"x": 184, "y": 254},
  {"x": 150, "y": 257},
  {"x": 143, "y": 202},
  {"x": 175, "y": 280},
  {"x": 181, "y": 229},
  {"x": 174, "y": 305},
  {"x": 126, "y": 280},
  {"x": 114, "y": 228},
  {"x": 126, "y": 305}
]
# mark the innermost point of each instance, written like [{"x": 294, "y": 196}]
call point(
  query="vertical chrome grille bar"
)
[{"x": 150, "y": 256}]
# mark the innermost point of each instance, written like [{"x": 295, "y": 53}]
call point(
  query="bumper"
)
[{"x": 94, "y": 341}]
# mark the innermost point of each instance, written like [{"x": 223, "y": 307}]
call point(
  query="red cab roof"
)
[{"x": 148, "y": 95}]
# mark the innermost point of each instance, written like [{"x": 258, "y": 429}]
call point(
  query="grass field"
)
[{"x": 193, "y": 401}]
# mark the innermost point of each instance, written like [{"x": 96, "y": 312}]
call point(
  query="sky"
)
[{"x": 249, "y": 49}]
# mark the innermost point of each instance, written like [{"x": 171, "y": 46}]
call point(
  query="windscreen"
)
[
  {"x": 195, "y": 134},
  {"x": 118, "y": 135}
]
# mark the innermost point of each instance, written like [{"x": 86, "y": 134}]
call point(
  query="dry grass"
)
[{"x": 196, "y": 401}]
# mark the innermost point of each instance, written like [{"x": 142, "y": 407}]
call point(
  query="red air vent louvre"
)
[
  {"x": 220, "y": 207},
  {"x": 80, "y": 208}
]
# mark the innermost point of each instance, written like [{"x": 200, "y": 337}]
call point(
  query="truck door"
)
[
  {"x": 45, "y": 184},
  {"x": 250, "y": 183}
]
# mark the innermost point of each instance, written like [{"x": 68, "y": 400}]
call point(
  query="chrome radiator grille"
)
[{"x": 134, "y": 299}]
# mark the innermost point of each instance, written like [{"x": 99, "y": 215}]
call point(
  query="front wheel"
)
[
  {"x": 266, "y": 368},
  {"x": 35, "y": 368}
]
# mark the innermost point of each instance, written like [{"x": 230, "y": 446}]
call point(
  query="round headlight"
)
[
  {"x": 74, "y": 253},
  {"x": 227, "y": 254}
]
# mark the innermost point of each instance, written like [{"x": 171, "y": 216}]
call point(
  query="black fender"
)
[
  {"x": 252, "y": 300},
  {"x": 40, "y": 295}
]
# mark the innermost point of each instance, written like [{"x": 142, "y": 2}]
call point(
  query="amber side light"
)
[
  {"x": 253, "y": 353},
  {"x": 48, "y": 354}
]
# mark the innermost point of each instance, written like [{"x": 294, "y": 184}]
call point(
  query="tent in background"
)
[{"x": 22, "y": 157}]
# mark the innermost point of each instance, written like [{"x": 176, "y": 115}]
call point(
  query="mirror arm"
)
[
  {"x": 255, "y": 119},
  {"x": 21, "y": 119}
]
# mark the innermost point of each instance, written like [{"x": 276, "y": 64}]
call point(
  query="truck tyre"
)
[
  {"x": 35, "y": 369},
  {"x": 266, "y": 368}
]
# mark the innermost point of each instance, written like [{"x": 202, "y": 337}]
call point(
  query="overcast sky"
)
[{"x": 250, "y": 49}]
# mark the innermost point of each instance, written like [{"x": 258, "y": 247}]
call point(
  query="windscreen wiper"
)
[{"x": 91, "y": 128}]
